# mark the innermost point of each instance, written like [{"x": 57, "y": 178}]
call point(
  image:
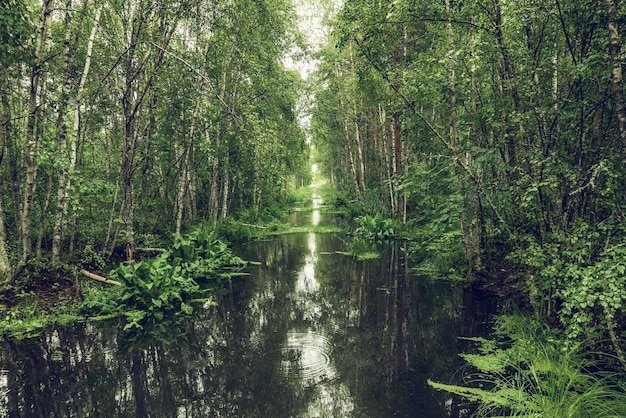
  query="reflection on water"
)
[
  {"x": 306, "y": 356},
  {"x": 310, "y": 333},
  {"x": 315, "y": 215},
  {"x": 306, "y": 277}
]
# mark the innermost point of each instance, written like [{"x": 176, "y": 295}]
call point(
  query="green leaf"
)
[{"x": 187, "y": 309}]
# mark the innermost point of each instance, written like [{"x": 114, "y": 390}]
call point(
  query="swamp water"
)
[{"x": 310, "y": 333}]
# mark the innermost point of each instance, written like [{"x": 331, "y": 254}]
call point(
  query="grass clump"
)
[{"x": 532, "y": 373}]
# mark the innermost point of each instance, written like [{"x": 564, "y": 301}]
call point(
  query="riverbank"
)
[{"x": 47, "y": 295}]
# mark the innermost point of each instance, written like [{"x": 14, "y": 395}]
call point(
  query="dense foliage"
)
[
  {"x": 122, "y": 122},
  {"x": 165, "y": 286},
  {"x": 496, "y": 131}
]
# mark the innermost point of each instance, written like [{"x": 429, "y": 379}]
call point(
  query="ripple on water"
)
[{"x": 306, "y": 356}]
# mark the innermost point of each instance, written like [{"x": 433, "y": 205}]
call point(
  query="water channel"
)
[{"x": 310, "y": 333}]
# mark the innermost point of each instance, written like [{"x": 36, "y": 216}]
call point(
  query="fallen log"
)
[
  {"x": 98, "y": 278},
  {"x": 250, "y": 225},
  {"x": 151, "y": 250}
]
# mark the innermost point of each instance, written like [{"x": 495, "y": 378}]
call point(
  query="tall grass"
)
[{"x": 529, "y": 372}]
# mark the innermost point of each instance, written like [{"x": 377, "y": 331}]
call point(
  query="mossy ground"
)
[{"x": 38, "y": 301}]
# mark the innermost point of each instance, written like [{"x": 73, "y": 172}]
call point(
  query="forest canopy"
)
[{"x": 493, "y": 132}]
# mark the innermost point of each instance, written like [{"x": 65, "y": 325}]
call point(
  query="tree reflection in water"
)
[{"x": 310, "y": 333}]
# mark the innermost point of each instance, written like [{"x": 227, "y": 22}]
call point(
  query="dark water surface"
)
[{"x": 310, "y": 333}]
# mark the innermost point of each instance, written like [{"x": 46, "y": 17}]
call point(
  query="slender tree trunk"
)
[
  {"x": 256, "y": 196},
  {"x": 350, "y": 154},
  {"x": 61, "y": 134},
  {"x": 225, "y": 185},
  {"x": 127, "y": 187},
  {"x": 70, "y": 247},
  {"x": 183, "y": 184},
  {"x": 398, "y": 168},
  {"x": 5, "y": 138},
  {"x": 65, "y": 173},
  {"x": 615, "y": 49},
  {"x": 214, "y": 191},
  {"x": 34, "y": 127},
  {"x": 360, "y": 164},
  {"x": 510, "y": 80},
  {"x": 476, "y": 226},
  {"x": 470, "y": 243},
  {"x": 387, "y": 151},
  {"x": 41, "y": 230},
  {"x": 359, "y": 149},
  {"x": 138, "y": 84},
  {"x": 191, "y": 200},
  {"x": 110, "y": 234}
]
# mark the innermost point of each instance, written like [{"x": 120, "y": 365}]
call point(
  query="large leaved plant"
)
[{"x": 165, "y": 286}]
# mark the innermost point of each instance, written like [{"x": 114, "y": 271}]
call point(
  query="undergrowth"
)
[
  {"x": 528, "y": 371},
  {"x": 167, "y": 285}
]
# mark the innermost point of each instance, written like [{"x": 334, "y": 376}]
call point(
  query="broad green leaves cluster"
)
[
  {"x": 154, "y": 289},
  {"x": 375, "y": 228},
  {"x": 166, "y": 286}
]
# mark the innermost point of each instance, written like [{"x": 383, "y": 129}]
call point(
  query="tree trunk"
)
[
  {"x": 65, "y": 173},
  {"x": 615, "y": 49},
  {"x": 510, "y": 82},
  {"x": 214, "y": 192},
  {"x": 398, "y": 167},
  {"x": 468, "y": 227},
  {"x": 225, "y": 185},
  {"x": 350, "y": 154},
  {"x": 183, "y": 184},
  {"x": 41, "y": 230},
  {"x": 138, "y": 84},
  {"x": 61, "y": 134},
  {"x": 5, "y": 138},
  {"x": 34, "y": 127},
  {"x": 113, "y": 228},
  {"x": 360, "y": 163},
  {"x": 359, "y": 149}
]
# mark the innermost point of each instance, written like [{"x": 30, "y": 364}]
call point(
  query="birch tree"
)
[
  {"x": 68, "y": 166},
  {"x": 36, "y": 112}
]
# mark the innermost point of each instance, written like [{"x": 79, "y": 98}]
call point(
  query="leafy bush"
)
[
  {"x": 579, "y": 283},
  {"x": 165, "y": 286},
  {"x": 91, "y": 259},
  {"x": 436, "y": 202},
  {"x": 153, "y": 289},
  {"x": 375, "y": 228}
]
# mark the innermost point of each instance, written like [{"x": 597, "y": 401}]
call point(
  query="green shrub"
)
[
  {"x": 165, "y": 286},
  {"x": 375, "y": 228},
  {"x": 580, "y": 284}
]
